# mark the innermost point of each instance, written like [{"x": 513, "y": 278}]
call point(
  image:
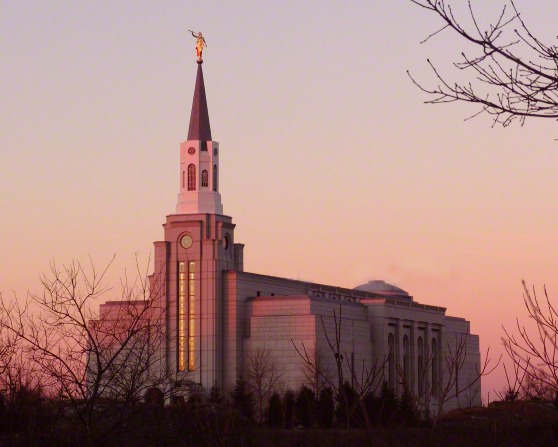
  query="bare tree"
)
[
  {"x": 438, "y": 381},
  {"x": 317, "y": 372},
  {"x": 8, "y": 341},
  {"x": 264, "y": 375},
  {"x": 20, "y": 375},
  {"x": 449, "y": 385},
  {"x": 512, "y": 73},
  {"x": 514, "y": 384},
  {"x": 364, "y": 378},
  {"x": 100, "y": 364},
  {"x": 533, "y": 387},
  {"x": 534, "y": 349}
]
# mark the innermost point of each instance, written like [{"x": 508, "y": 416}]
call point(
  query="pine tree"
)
[
  {"x": 407, "y": 410},
  {"x": 289, "y": 405},
  {"x": 347, "y": 406},
  {"x": 275, "y": 411},
  {"x": 305, "y": 407},
  {"x": 242, "y": 399},
  {"x": 215, "y": 396},
  {"x": 389, "y": 405},
  {"x": 325, "y": 408},
  {"x": 373, "y": 406}
]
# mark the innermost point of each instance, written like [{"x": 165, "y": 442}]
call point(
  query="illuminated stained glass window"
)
[
  {"x": 191, "y": 316},
  {"x": 181, "y": 323},
  {"x": 186, "y": 316}
]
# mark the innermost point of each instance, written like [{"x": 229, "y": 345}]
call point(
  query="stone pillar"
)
[{"x": 239, "y": 257}]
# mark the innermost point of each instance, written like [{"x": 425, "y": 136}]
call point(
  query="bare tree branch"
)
[
  {"x": 513, "y": 74},
  {"x": 100, "y": 364},
  {"x": 264, "y": 376},
  {"x": 534, "y": 350}
]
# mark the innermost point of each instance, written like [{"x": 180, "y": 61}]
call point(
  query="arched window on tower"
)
[
  {"x": 391, "y": 361},
  {"x": 205, "y": 179},
  {"x": 406, "y": 361},
  {"x": 215, "y": 177},
  {"x": 191, "y": 177}
]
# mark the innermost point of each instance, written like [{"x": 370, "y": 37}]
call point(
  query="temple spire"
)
[
  {"x": 199, "y": 161},
  {"x": 199, "y": 119}
]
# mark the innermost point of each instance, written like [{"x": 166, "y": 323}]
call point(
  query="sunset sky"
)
[{"x": 332, "y": 167}]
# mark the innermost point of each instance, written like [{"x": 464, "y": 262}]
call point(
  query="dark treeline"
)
[{"x": 29, "y": 418}]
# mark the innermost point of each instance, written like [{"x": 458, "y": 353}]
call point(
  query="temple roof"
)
[
  {"x": 199, "y": 119},
  {"x": 383, "y": 288}
]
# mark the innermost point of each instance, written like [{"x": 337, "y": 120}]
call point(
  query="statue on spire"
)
[{"x": 200, "y": 45}]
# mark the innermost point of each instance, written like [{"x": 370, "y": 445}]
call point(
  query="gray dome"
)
[{"x": 381, "y": 287}]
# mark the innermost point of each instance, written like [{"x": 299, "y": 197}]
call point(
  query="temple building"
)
[{"x": 217, "y": 315}]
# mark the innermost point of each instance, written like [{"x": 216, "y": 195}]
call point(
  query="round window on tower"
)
[
  {"x": 186, "y": 241},
  {"x": 215, "y": 151},
  {"x": 191, "y": 150}
]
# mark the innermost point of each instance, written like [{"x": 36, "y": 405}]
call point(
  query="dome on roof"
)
[{"x": 381, "y": 287}]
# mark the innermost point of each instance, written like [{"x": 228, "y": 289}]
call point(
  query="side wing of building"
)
[{"x": 387, "y": 338}]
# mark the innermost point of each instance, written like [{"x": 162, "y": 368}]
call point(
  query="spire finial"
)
[{"x": 200, "y": 45}]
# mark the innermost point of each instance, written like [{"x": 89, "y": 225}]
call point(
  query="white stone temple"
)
[{"x": 216, "y": 314}]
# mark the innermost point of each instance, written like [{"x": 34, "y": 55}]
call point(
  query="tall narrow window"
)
[
  {"x": 191, "y": 316},
  {"x": 406, "y": 361},
  {"x": 191, "y": 177},
  {"x": 181, "y": 317},
  {"x": 420, "y": 366},
  {"x": 391, "y": 361},
  {"x": 215, "y": 177},
  {"x": 186, "y": 311},
  {"x": 205, "y": 179},
  {"x": 434, "y": 368}
]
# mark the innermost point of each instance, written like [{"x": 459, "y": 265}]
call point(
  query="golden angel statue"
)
[{"x": 200, "y": 44}]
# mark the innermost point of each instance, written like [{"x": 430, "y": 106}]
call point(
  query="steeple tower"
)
[
  {"x": 189, "y": 262},
  {"x": 199, "y": 119},
  {"x": 199, "y": 160}
]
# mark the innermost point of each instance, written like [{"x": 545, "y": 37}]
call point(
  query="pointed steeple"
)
[
  {"x": 199, "y": 161},
  {"x": 199, "y": 119}
]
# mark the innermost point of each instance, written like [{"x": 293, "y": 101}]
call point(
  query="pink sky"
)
[{"x": 332, "y": 167}]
